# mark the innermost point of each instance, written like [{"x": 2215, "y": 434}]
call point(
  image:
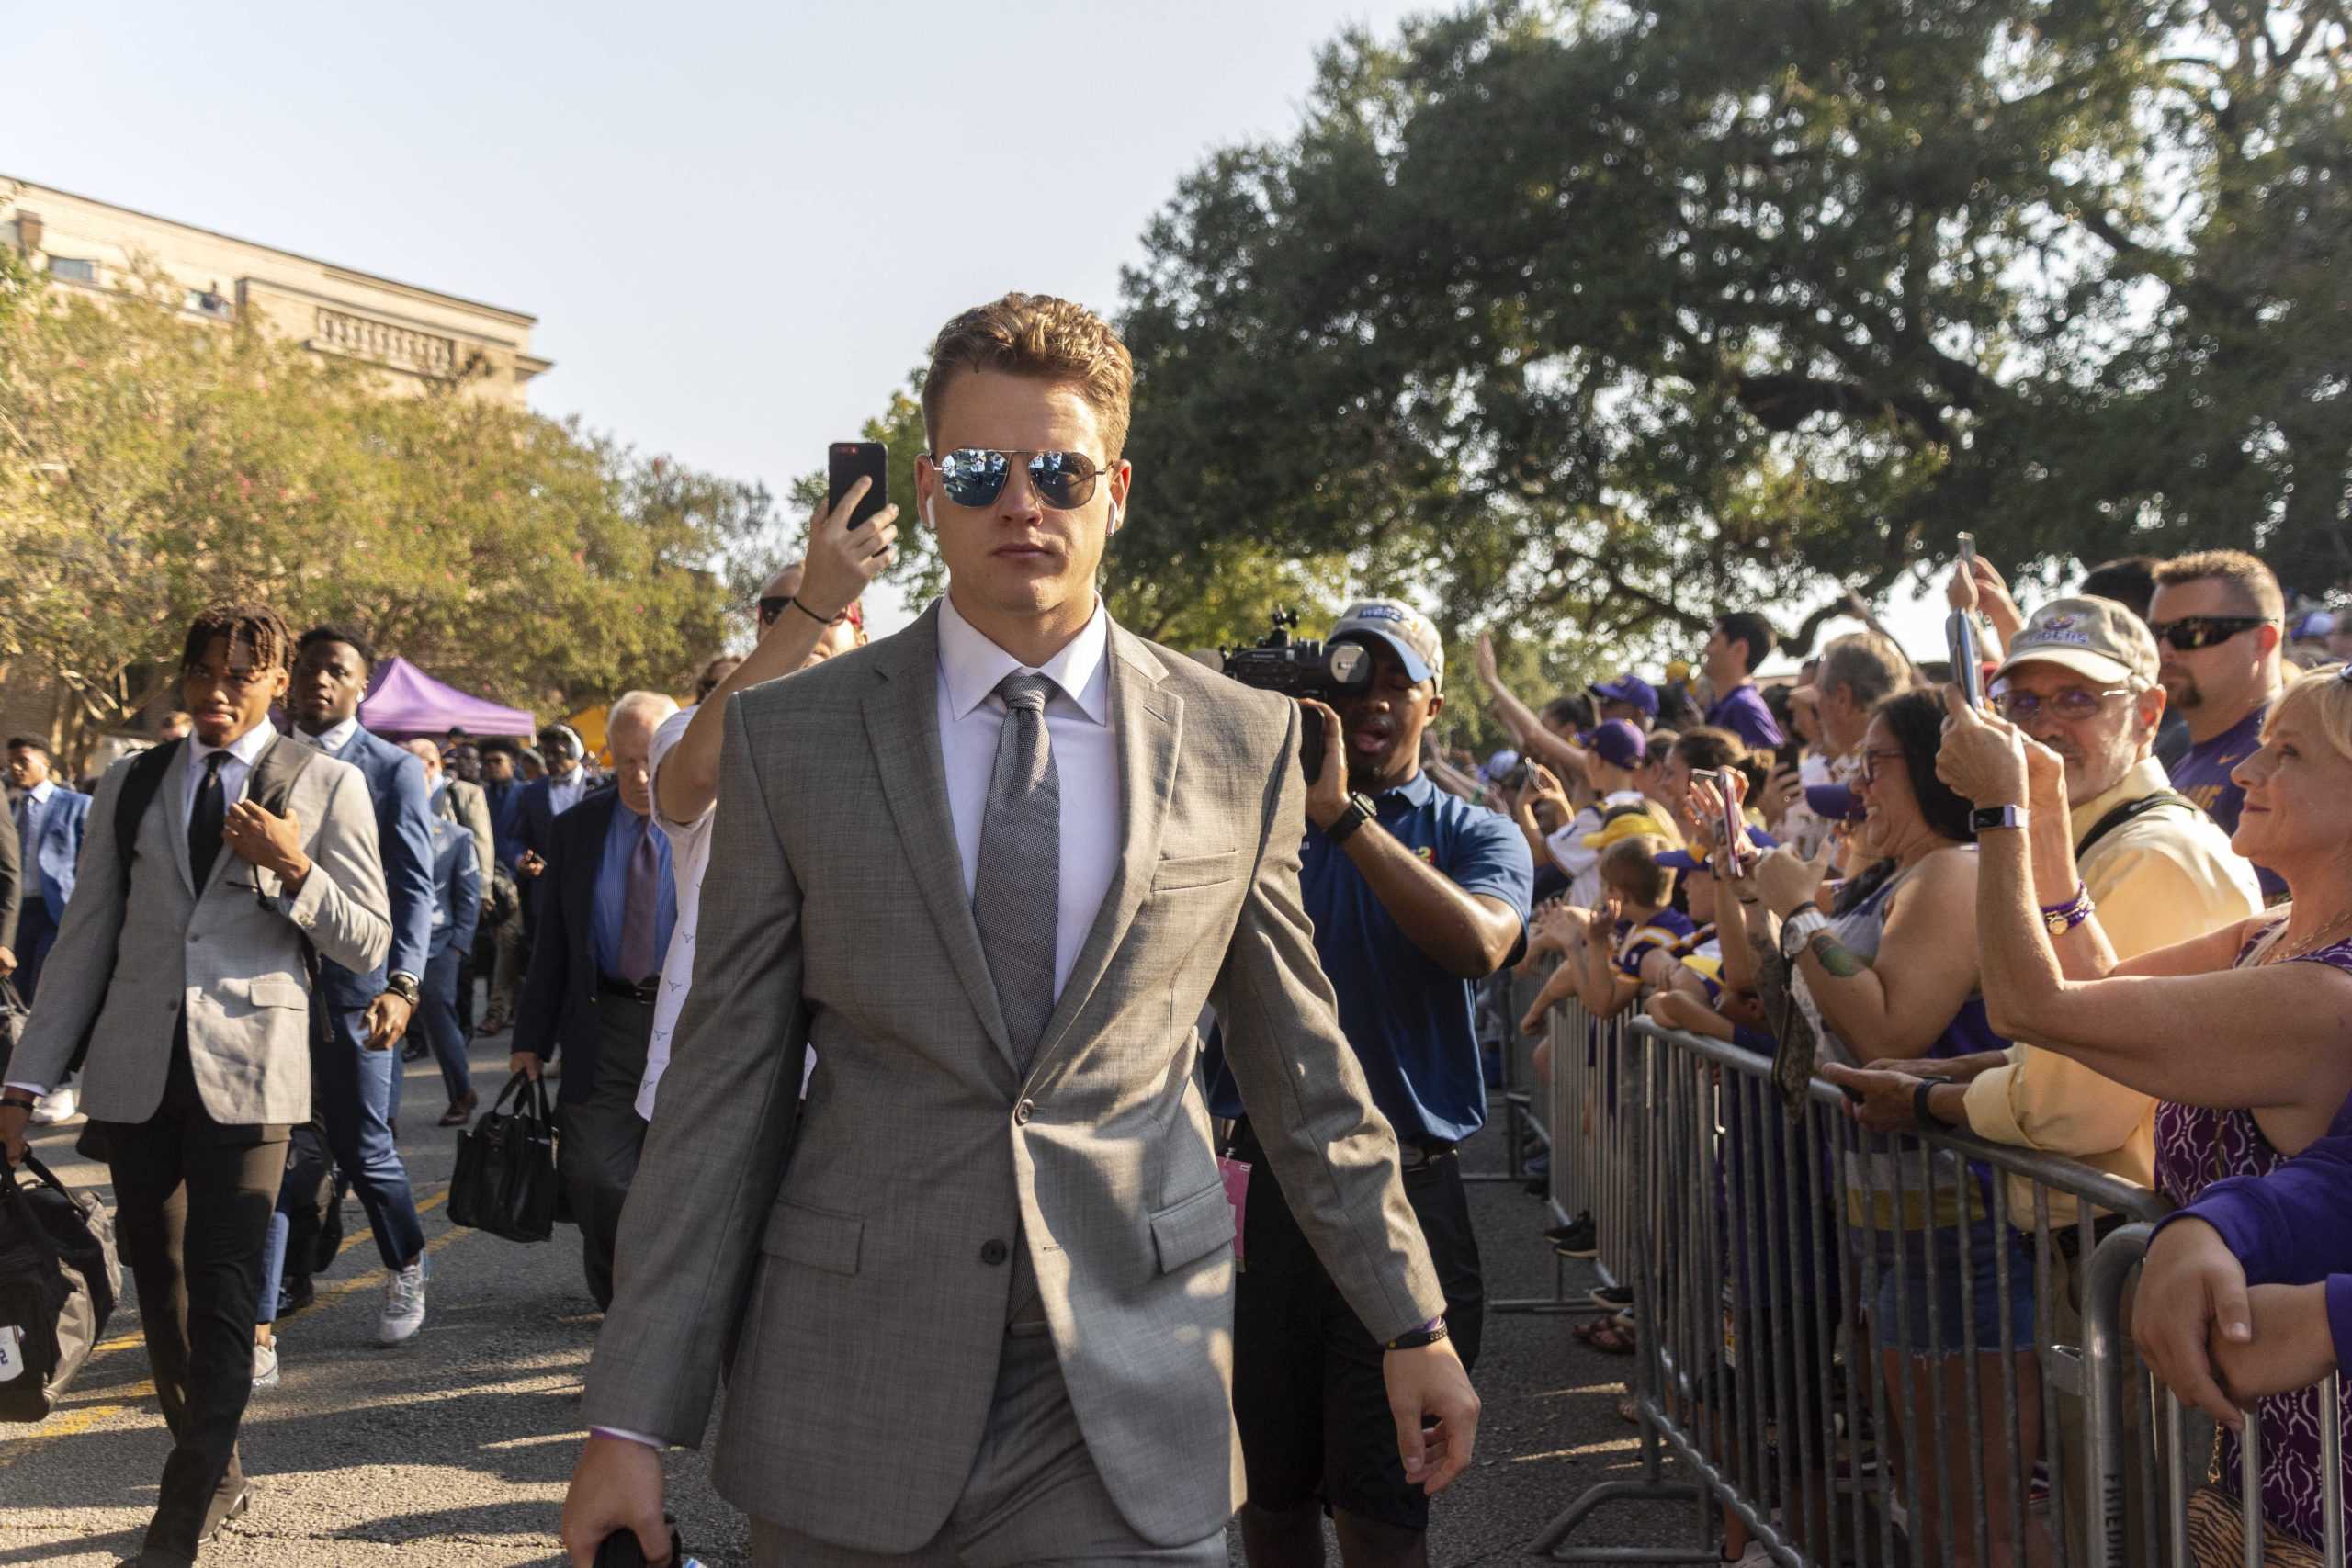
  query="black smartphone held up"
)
[{"x": 846, "y": 462}]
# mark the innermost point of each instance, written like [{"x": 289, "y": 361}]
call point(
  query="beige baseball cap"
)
[
  {"x": 1412, "y": 635},
  {"x": 2089, "y": 636}
]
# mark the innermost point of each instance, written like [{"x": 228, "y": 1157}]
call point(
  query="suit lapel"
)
[
  {"x": 170, "y": 806},
  {"x": 1147, "y": 722},
  {"x": 269, "y": 783},
  {"x": 901, "y": 715}
]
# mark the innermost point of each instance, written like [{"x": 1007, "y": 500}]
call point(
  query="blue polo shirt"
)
[{"x": 1411, "y": 1023}]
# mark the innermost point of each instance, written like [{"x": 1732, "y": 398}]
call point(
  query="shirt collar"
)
[
  {"x": 38, "y": 795},
  {"x": 1416, "y": 791},
  {"x": 2146, "y": 777},
  {"x": 334, "y": 739},
  {"x": 972, "y": 666},
  {"x": 247, "y": 749}
]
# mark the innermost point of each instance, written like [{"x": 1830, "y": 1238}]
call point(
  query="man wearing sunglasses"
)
[
  {"x": 991, "y": 868},
  {"x": 2219, "y": 620},
  {"x": 2081, "y": 677},
  {"x": 792, "y": 636}
]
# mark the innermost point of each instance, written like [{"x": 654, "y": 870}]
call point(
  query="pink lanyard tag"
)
[{"x": 1236, "y": 1192}]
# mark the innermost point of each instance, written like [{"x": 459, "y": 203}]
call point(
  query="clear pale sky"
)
[{"x": 739, "y": 225}]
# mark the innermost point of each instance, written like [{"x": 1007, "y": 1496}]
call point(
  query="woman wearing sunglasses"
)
[{"x": 2238, "y": 1035}]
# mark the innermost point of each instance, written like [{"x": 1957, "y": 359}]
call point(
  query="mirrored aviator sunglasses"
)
[{"x": 974, "y": 475}]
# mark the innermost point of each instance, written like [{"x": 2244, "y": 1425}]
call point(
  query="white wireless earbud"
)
[
  {"x": 929, "y": 521},
  {"x": 1114, "y": 517}
]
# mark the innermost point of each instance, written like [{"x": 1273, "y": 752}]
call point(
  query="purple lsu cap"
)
[
  {"x": 1619, "y": 744},
  {"x": 1629, "y": 688}
]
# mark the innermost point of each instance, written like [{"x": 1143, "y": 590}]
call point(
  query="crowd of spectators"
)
[{"x": 2106, "y": 916}]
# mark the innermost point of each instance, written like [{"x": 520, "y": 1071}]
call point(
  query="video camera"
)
[{"x": 1326, "y": 671}]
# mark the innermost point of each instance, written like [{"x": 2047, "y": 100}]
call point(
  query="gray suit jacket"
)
[
  {"x": 850, "y": 1252},
  {"x": 465, "y": 805},
  {"x": 229, "y": 953}
]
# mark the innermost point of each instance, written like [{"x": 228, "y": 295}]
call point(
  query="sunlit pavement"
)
[{"x": 455, "y": 1447}]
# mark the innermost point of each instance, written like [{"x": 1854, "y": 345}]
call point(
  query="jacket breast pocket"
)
[
  {"x": 1189, "y": 1231},
  {"x": 817, "y": 1239},
  {"x": 1177, "y": 873},
  {"x": 244, "y": 997}
]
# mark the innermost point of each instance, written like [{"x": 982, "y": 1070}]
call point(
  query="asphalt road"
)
[{"x": 455, "y": 1447}]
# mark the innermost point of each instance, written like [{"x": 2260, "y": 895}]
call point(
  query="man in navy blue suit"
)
[
  {"x": 609, "y": 905},
  {"x": 355, "y": 1071},
  {"x": 49, "y": 840}
]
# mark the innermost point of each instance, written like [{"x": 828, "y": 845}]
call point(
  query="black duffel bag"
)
[
  {"x": 506, "y": 1179},
  {"x": 59, "y": 1283}
]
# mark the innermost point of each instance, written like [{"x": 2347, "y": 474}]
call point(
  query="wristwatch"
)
[
  {"x": 1429, "y": 1333},
  {"x": 402, "y": 985},
  {"x": 1985, "y": 819},
  {"x": 1358, "y": 813},
  {"x": 1798, "y": 929}
]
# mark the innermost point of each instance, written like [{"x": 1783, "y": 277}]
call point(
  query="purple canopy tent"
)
[{"x": 403, "y": 700}]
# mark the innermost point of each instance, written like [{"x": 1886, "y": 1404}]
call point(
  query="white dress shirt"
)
[
  {"x": 243, "y": 753},
  {"x": 564, "y": 793},
  {"x": 332, "y": 739},
  {"x": 689, "y": 855},
  {"x": 1086, "y": 756}
]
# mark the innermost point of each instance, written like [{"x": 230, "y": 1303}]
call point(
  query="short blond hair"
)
[
  {"x": 1040, "y": 336},
  {"x": 2320, "y": 697},
  {"x": 2255, "y": 583}
]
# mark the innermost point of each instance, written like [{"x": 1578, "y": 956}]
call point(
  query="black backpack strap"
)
[{"x": 2130, "y": 810}]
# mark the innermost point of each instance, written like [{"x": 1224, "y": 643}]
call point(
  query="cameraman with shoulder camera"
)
[{"x": 1416, "y": 896}]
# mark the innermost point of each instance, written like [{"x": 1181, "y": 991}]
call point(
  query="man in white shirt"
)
[{"x": 805, "y": 617}]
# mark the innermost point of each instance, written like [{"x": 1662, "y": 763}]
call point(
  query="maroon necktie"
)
[{"x": 642, "y": 906}]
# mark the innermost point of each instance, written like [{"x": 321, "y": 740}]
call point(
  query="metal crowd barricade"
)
[
  {"x": 1525, "y": 1117},
  {"x": 1866, "y": 1349},
  {"x": 1591, "y": 1170}
]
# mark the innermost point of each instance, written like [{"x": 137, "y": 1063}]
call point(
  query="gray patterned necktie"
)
[{"x": 1016, "y": 896}]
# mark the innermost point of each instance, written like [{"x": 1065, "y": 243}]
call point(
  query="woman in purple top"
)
[
  {"x": 2248, "y": 1291},
  {"x": 2239, "y": 1032}
]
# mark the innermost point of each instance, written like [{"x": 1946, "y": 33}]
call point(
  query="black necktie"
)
[{"x": 204, "y": 822}]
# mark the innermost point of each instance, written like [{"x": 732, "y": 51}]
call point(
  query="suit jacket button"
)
[
  {"x": 1022, "y": 1111},
  {"x": 994, "y": 1253}
]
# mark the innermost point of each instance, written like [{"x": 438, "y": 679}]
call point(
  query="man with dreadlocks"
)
[{"x": 217, "y": 870}]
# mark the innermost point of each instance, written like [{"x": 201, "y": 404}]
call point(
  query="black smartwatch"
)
[{"x": 1358, "y": 813}]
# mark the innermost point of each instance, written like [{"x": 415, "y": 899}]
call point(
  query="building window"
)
[
  {"x": 205, "y": 302},
  {"x": 75, "y": 270}
]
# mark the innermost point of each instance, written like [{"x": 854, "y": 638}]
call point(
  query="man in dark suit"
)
[
  {"x": 184, "y": 966},
  {"x": 362, "y": 1015},
  {"x": 49, "y": 818},
  {"x": 457, "y": 908},
  {"x": 499, "y": 944},
  {"x": 609, "y": 900}
]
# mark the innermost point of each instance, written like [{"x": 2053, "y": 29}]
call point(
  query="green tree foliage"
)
[
  {"x": 151, "y": 461},
  {"x": 1594, "y": 315}
]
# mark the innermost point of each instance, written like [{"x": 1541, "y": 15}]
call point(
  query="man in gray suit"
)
[
  {"x": 184, "y": 967},
  {"x": 973, "y": 1298}
]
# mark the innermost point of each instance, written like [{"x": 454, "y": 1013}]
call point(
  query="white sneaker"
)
[
  {"x": 403, "y": 1305},
  {"x": 265, "y": 1365},
  {"x": 56, "y": 1106}
]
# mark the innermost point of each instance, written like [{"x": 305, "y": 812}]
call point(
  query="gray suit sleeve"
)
[
  {"x": 1333, "y": 1152},
  {"x": 80, "y": 965},
  {"x": 476, "y": 813},
  {"x": 714, "y": 1155},
  {"x": 12, "y": 877},
  {"x": 342, "y": 906}
]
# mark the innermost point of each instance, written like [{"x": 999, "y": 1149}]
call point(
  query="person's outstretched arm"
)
[{"x": 841, "y": 562}]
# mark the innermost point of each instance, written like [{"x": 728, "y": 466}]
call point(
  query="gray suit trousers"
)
[{"x": 1034, "y": 1495}]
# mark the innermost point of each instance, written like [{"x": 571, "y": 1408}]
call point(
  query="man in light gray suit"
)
[
  {"x": 973, "y": 1298},
  {"x": 184, "y": 968}
]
